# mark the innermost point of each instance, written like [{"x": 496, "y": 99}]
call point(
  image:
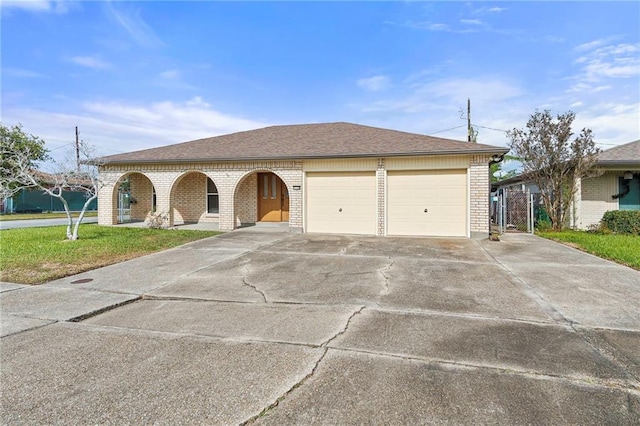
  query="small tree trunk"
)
[{"x": 79, "y": 220}]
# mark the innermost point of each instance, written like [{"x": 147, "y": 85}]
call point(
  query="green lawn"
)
[
  {"x": 30, "y": 216},
  {"x": 624, "y": 249},
  {"x": 38, "y": 255}
]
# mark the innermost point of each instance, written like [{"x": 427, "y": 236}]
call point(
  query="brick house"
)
[
  {"x": 616, "y": 188},
  {"x": 328, "y": 178}
]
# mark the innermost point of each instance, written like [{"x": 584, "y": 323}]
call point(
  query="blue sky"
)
[{"x": 135, "y": 75}]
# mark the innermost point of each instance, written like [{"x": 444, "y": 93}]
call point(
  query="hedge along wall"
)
[
  {"x": 622, "y": 221},
  {"x": 37, "y": 200}
]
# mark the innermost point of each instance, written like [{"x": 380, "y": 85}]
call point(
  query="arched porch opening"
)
[
  {"x": 194, "y": 198},
  {"x": 133, "y": 197},
  {"x": 261, "y": 196}
]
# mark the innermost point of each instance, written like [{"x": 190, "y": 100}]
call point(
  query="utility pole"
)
[
  {"x": 468, "y": 119},
  {"x": 77, "y": 151}
]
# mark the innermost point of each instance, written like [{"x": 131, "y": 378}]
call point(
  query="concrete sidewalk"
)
[
  {"x": 37, "y": 223},
  {"x": 279, "y": 328}
]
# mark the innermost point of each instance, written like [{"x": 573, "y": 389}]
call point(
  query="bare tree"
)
[
  {"x": 553, "y": 161},
  {"x": 64, "y": 177}
]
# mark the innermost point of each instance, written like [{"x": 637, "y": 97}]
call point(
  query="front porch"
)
[{"x": 228, "y": 196}]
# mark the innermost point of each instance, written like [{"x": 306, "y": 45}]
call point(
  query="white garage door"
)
[
  {"x": 341, "y": 202},
  {"x": 428, "y": 202}
]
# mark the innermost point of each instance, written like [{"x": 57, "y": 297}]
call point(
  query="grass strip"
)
[
  {"x": 624, "y": 249},
  {"x": 38, "y": 255}
]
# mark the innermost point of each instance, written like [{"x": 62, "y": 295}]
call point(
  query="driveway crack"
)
[
  {"x": 256, "y": 289},
  {"x": 383, "y": 271},
  {"x": 282, "y": 397},
  {"x": 325, "y": 349},
  {"x": 344, "y": 330}
]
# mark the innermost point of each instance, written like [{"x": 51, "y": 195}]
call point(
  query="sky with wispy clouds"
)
[{"x": 136, "y": 75}]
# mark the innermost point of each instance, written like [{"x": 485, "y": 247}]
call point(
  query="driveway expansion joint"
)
[
  {"x": 608, "y": 351},
  {"x": 529, "y": 291},
  {"x": 83, "y": 317},
  {"x": 450, "y": 365}
]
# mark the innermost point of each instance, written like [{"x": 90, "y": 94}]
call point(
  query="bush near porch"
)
[
  {"x": 623, "y": 249},
  {"x": 622, "y": 221},
  {"x": 38, "y": 255}
]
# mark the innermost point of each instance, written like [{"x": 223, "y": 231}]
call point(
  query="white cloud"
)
[
  {"x": 600, "y": 62},
  {"x": 131, "y": 21},
  {"x": 427, "y": 25},
  {"x": 21, "y": 73},
  {"x": 472, "y": 22},
  {"x": 375, "y": 83},
  {"x": 172, "y": 79},
  {"x": 612, "y": 123},
  {"x": 90, "y": 62},
  {"x": 497, "y": 9},
  {"x": 591, "y": 45},
  {"x": 170, "y": 74},
  {"x": 55, "y": 6},
  {"x": 115, "y": 127}
]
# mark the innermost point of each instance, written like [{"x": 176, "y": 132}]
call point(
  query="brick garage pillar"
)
[{"x": 479, "y": 196}]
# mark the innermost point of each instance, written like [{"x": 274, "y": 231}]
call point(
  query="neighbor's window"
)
[
  {"x": 153, "y": 199},
  {"x": 212, "y": 197}
]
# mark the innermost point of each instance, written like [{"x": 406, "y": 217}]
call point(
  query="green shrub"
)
[{"x": 622, "y": 221}]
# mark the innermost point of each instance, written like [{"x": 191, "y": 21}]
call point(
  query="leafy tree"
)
[
  {"x": 18, "y": 172},
  {"x": 14, "y": 144},
  {"x": 553, "y": 160},
  {"x": 497, "y": 167}
]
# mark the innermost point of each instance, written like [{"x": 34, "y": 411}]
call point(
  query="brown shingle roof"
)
[
  {"x": 628, "y": 153},
  {"x": 328, "y": 140}
]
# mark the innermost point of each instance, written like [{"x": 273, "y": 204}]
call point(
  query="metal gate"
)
[
  {"x": 124, "y": 207},
  {"x": 512, "y": 210}
]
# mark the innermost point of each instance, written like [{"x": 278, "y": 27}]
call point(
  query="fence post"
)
[
  {"x": 528, "y": 211},
  {"x": 531, "y": 214}
]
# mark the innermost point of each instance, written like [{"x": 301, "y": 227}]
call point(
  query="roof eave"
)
[
  {"x": 633, "y": 163},
  {"x": 498, "y": 151}
]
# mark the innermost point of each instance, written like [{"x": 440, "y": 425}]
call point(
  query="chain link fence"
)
[{"x": 512, "y": 210}]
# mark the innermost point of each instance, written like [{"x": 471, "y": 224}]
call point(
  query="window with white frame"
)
[{"x": 212, "y": 198}]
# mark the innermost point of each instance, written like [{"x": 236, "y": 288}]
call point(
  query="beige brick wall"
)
[
  {"x": 183, "y": 193},
  {"x": 479, "y": 196},
  {"x": 246, "y": 200},
  {"x": 142, "y": 192},
  {"x": 189, "y": 198},
  {"x": 176, "y": 184},
  {"x": 595, "y": 198}
]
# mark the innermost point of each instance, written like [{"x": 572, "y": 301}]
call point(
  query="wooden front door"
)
[{"x": 273, "y": 199}]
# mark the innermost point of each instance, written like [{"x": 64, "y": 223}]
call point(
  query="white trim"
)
[
  {"x": 386, "y": 203},
  {"x": 469, "y": 202}
]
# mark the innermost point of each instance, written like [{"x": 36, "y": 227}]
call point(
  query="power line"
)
[
  {"x": 446, "y": 130},
  {"x": 490, "y": 128},
  {"x": 62, "y": 146}
]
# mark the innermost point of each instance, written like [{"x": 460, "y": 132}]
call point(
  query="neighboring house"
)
[
  {"x": 617, "y": 188},
  {"x": 331, "y": 178}
]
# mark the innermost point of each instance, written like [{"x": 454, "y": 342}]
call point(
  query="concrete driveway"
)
[{"x": 276, "y": 328}]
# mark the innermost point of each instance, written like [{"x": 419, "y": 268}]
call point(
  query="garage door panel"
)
[
  {"x": 341, "y": 202},
  {"x": 442, "y": 193}
]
